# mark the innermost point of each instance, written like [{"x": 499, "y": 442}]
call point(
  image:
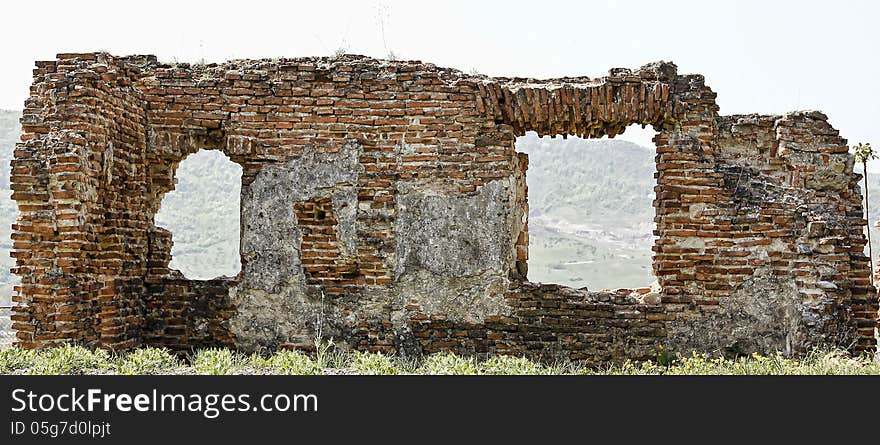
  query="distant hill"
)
[
  {"x": 591, "y": 213},
  {"x": 10, "y": 130},
  {"x": 203, "y": 214},
  {"x": 590, "y": 222}
]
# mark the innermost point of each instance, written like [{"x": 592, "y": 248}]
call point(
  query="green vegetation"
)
[
  {"x": 78, "y": 360},
  {"x": 864, "y": 153},
  {"x": 369, "y": 363},
  {"x": 449, "y": 364},
  {"x": 293, "y": 363},
  {"x": 146, "y": 361},
  {"x": 65, "y": 359}
]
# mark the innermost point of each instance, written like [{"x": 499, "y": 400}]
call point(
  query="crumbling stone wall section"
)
[
  {"x": 781, "y": 177},
  {"x": 521, "y": 218},
  {"x": 383, "y": 204}
]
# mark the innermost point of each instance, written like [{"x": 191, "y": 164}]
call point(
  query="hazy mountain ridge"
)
[{"x": 591, "y": 214}]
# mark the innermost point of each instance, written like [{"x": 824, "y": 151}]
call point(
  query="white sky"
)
[{"x": 759, "y": 56}]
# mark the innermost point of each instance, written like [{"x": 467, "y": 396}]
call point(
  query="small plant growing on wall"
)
[{"x": 863, "y": 154}]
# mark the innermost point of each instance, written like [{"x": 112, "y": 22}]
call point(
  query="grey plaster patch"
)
[
  {"x": 345, "y": 209},
  {"x": 460, "y": 236},
  {"x": 454, "y": 250},
  {"x": 270, "y": 238},
  {"x": 273, "y": 303},
  {"x": 265, "y": 321},
  {"x": 468, "y": 299}
]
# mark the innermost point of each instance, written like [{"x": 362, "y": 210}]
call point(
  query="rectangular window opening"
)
[{"x": 590, "y": 210}]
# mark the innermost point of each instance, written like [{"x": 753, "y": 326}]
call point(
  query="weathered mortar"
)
[{"x": 383, "y": 204}]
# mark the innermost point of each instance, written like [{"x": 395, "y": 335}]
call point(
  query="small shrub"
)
[
  {"x": 448, "y": 364},
  {"x": 369, "y": 363},
  {"x": 215, "y": 361},
  {"x": 626, "y": 368},
  {"x": 510, "y": 365},
  {"x": 71, "y": 359},
  {"x": 292, "y": 363},
  {"x": 327, "y": 355},
  {"x": 15, "y": 360},
  {"x": 147, "y": 361},
  {"x": 666, "y": 357}
]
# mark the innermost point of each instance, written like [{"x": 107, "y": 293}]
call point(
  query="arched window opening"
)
[
  {"x": 591, "y": 211},
  {"x": 203, "y": 214}
]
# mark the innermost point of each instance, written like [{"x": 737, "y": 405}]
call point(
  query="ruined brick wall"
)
[
  {"x": 383, "y": 203},
  {"x": 75, "y": 242}
]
